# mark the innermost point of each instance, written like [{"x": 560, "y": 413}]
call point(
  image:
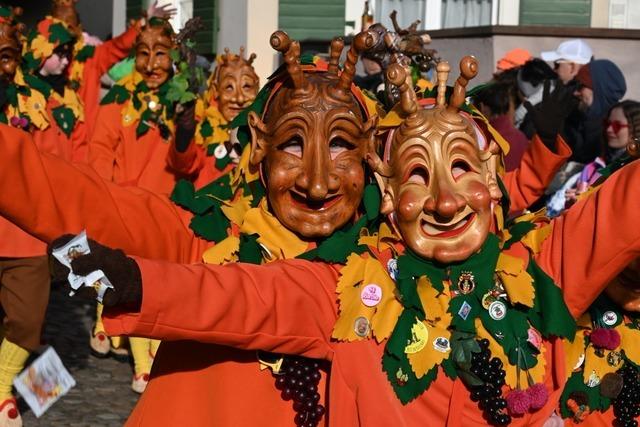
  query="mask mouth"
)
[
  {"x": 304, "y": 202},
  {"x": 451, "y": 229}
]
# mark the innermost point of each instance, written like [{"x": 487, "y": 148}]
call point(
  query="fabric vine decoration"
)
[
  {"x": 43, "y": 39},
  {"x": 482, "y": 320},
  {"x": 606, "y": 359},
  {"x": 81, "y": 53},
  {"x": 143, "y": 107}
]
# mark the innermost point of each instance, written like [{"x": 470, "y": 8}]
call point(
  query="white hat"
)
[{"x": 576, "y": 50}]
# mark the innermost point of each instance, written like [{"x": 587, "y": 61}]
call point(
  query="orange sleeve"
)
[
  {"x": 594, "y": 240},
  {"x": 49, "y": 197},
  {"x": 188, "y": 163},
  {"x": 112, "y": 51},
  {"x": 537, "y": 168},
  {"x": 285, "y": 306},
  {"x": 105, "y": 140}
]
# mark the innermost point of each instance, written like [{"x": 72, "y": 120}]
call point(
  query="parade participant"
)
[
  {"x": 231, "y": 88},
  {"x": 90, "y": 60},
  {"x": 130, "y": 146},
  {"x": 473, "y": 314},
  {"x": 569, "y": 58}
]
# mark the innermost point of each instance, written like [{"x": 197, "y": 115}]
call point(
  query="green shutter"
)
[
  {"x": 571, "y": 13},
  {"x": 206, "y": 39},
  {"x": 312, "y": 19},
  {"x": 134, "y": 9}
]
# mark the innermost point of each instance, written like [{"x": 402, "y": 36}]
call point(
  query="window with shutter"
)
[
  {"x": 574, "y": 13},
  {"x": 312, "y": 19},
  {"x": 206, "y": 39}
]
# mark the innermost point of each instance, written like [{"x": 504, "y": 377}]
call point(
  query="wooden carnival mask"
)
[
  {"x": 153, "y": 46},
  {"x": 65, "y": 10},
  {"x": 313, "y": 140},
  {"x": 624, "y": 289},
  {"x": 439, "y": 173},
  {"x": 234, "y": 83},
  {"x": 10, "y": 46}
]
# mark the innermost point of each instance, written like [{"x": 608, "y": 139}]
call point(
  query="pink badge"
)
[{"x": 371, "y": 295}]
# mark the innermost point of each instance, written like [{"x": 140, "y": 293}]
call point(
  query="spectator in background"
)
[
  {"x": 497, "y": 103},
  {"x": 622, "y": 128},
  {"x": 569, "y": 58},
  {"x": 530, "y": 81},
  {"x": 513, "y": 59}
]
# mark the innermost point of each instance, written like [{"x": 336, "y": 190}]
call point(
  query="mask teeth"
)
[
  {"x": 398, "y": 76},
  {"x": 281, "y": 42},
  {"x": 337, "y": 44},
  {"x": 361, "y": 42},
  {"x": 468, "y": 70},
  {"x": 442, "y": 73}
]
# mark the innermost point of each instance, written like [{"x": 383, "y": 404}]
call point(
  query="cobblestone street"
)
[{"x": 102, "y": 396}]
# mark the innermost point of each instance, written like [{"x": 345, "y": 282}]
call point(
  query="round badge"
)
[
  {"x": 497, "y": 310},
  {"x": 371, "y": 295},
  {"x": 610, "y": 318},
  {"x": 614, "y": 359},
  {"x": 580, "y": 362},
  {"x": 487, "y": 299},
  {"x": 593, "y": 380},
  {"x": 361, "y": 327},
  {"x": 392, "y": 268},
  {"x": 534, "y": 338},
  {"x": 466, "y": 283},
  {"x": 419, "y": 337},
  {"x": 152, "y": 105},
  {"x": 441, "y": 344},
  {"x": 220, "y": 151}
]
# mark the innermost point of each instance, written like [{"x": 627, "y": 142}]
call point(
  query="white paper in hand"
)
[
  {"x": 75, "y": 248},
  {"x": 44, "y": 382}
]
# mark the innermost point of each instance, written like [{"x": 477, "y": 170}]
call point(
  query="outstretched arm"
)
[
  {"x": 285, "y": 307},
  {"x": 48, "y": 197},
  {"x": 595, "y": 239},
  {"x": 112, "y": 51},
  {"x": 537, "y": 168}
]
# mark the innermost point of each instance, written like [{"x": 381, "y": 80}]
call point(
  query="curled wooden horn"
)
[
  {"x": 360, "y": 43},
  {"x": 252, "y": 57},
  {"x": 442, "y": 74},
  {"x": 398, "y": 76},
  {"x": 337, "y": 44},
  {"x": 468, "y": 70},
  {"x": 281, "y": 42}
]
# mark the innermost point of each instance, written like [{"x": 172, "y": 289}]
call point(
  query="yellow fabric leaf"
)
[
  {"x": 237, "y": 209},
  {"x": 435, "y": 305},
  {"x": 381, "y": 240},
  {"x": 223, "y": 252},
  {"x": 422, "y": 361},
  {"x": 499, "y": 217},
  {"x": 388, "y": 310},
  {"x": 243, "y": 169},
  {"x": 278, "y": 240},
  {"x": 537, "y": 372},
  {"x": 517, "y": 282},
  {"x": 534, "y": 239},
  {"x": 391, "y": 120},
  {"x": 424, "y": 84},
  {"x": 372, "y": 106},
  {"x": 129, "y": 114},
  {"x": 596, "y": 364},
  {"x": 41, "y": 47},
  {"x": 573, "y": 350},
  {"x": 35, "y": 106},
  {"x": 72, "y": 101},
  {"x": 630, "y": 342}
]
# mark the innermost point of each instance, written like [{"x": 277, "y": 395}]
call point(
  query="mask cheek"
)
[
  {"x": 409, "y": 206},
  {"x": 478, "y": 197}
]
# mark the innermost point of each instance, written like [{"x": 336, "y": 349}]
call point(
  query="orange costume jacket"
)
[
  {"x": 290, "y": 307},
  {"x": 104, "y": 57},
  {"x": 118, "y": 155},
  {"x": 210, "y": 383}
]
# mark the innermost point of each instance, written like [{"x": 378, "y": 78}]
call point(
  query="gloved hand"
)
[
  {"x": 548, "y": 115},
  {"x": 185, "y": 125},
  {"x": 122, "y": 272}
]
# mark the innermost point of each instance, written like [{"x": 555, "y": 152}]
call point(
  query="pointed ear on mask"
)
[
  {"x": 491, "y": 159},
  {"x": 258, "y": 143},
  {"x": 386, "y": 207}
]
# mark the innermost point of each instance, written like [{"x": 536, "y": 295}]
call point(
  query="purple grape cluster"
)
[
  {"x": 489, "y": 394},
  {"x": 626, "y": 407},
  {"x": 298, "y": 381}
]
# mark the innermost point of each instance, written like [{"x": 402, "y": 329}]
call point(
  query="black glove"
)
[
  {"x": 122, "y": 272},
  {"x": 185, "y": 126},
  {"x": 548, "y": 115}
]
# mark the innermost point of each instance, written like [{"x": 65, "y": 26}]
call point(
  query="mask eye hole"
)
[
  {"x": 338, "y": 146},
  {"x": 418, "y": 175},
  {"x": 459, "y": 168},
  {"x": 293, "y": 146}
]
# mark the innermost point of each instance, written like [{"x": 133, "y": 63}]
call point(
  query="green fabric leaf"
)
[
  {"x": 38, "y": 84},
  {"x": 555, "y": 318},
  {"x": 250, "y": 250},
  {"x": 211, "y": 226},
  {"x": 3, "y": 117},
  {"x": 118, "y": 94},
  {"x": 223, "y": 162},
  {"x": 199, "y": 202},
  {"x": 142, "y": 128},
  {"x": 5, "y": 12},
  {"x": 85, "y": 53},
  {"x": 371, "y": 200},
  {"x": 403, "y": 381},
  {"x": 12, "y": 94},
  {"x": 29, "y": 62},
  {"x": 518, "y": 231},
  {"x": 340, "y": 245},
  {"x": 206, "y": 130},
  {"x": 59, "y": 34},
  {"x": 575, "y": 384},
  {"x": 65, "y": 119}
]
